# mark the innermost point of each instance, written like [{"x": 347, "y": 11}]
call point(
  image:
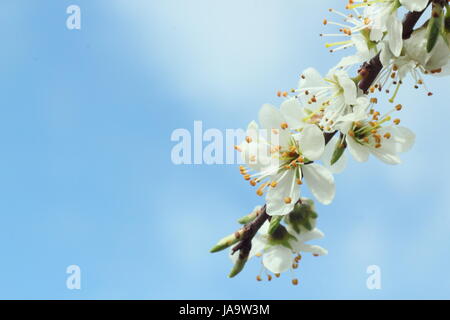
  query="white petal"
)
[
  {"x": 386, "y": 54},
  {"x": 310, "y": 235},
  {"x": 414, "y": 5},
  {"x": 350, "y": 60},
  {"x": 270, "y": 117},
  {"x": 359, "y": 152},
  {"x": 286, "y": 188},
  {"x": 316, "y": 250},
  {"x": 349, "y": 86},
  {"x": 312, "y": 142},
  {"x": 403, "y": 137},
  {"x": 386, "y": 157},
  {"x": 277, "y": 259},
  {"x": 311, "y": 78},
  {"x": 293, "y": 113},
  {"x": 395, "y": 35},
  {"x": 320, "y": 182},
  {"x": 376, "y": 34},
  {"x": 253, "y": 130}
]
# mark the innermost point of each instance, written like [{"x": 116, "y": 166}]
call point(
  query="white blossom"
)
[
  {"x": 283, "y": 160},
  {"x": 332, "y": 95},
  {"x": 365, "y": 137}
]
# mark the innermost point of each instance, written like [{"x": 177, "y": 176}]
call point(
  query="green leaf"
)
[
  {"x": 248, "y": 218},
  {"x": 338, "y": 150},
  {"x": 434, "y": 26},
  {"x": 228, "y": 241}
]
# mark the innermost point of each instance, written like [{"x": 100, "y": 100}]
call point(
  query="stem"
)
[{"x": 249, "y": 231}]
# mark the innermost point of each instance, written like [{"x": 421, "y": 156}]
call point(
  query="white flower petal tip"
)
[
  {"x": 414, "y": 5},
  {"x": 320, "y": 182}
]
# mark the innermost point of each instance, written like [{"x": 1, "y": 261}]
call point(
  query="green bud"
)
[
  {"x": 228, "y": 241},
  {"x": 250, "y": 217},
  {"x": 303, "y": 216},
  {"x": 238, "y": 266},
  {"x": 274, "y": 223},
  {"x": 434, "y": 26},
  {"x": 280, "y": 237},
  {"x": 341, "y": 145}
]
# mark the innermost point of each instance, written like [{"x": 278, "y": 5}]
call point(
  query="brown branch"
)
[
  {"x": 371, "y": 69},
  {"x": 250, "y": 230}
]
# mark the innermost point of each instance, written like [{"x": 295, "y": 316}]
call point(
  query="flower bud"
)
[{"x": 303, "y": 216}]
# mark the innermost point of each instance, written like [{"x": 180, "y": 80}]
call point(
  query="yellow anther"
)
[{"x": 287, "y": 200}]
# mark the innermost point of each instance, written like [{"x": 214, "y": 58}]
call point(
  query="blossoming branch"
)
[{"x": 307, "y": 138}]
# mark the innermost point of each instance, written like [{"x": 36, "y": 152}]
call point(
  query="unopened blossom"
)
[
  {"x": 377, "y": 136},
  {"x": 281, "y": 161}
]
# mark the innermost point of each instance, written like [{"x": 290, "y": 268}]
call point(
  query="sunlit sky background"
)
[{"x": 86, "y": 176}]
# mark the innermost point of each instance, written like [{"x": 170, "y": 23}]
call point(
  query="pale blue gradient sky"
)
[{"x": 86, "y": 176}]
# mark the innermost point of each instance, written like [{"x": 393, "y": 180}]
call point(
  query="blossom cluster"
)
[{"x": 306, "y": 138}]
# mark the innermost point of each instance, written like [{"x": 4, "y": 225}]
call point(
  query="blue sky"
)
[{"x": 87, "y": 179}]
